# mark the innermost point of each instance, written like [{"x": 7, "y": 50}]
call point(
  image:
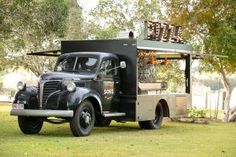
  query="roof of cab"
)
[{"x": 99, "y": 54}]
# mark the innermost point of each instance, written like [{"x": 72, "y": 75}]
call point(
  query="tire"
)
[
  {"x": 156, "y": 123},
  {"x": 102, "y": 122},
  {"x": 83, "y": 121},
  {"x": 30, "y": 125}
]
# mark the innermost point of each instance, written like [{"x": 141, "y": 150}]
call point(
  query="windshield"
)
[
  {"x": 66, "y": 64},
  {"x": 80, "y": 64}
]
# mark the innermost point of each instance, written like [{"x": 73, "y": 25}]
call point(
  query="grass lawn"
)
[{"x": 119, "y": 140}]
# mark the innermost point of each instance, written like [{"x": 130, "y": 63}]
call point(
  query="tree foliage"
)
[
  {"x": 76, "y": 23},
  {"x": 209, "y": 25},
  {"x": 116, "y": 15},
  {"x": 53, "y": 17},
  {"x": 30, "y": 26}
]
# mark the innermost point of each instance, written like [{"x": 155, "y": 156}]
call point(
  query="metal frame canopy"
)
[
  {"x": 126, "y": 49},
  {"x": 141, "y": 45},
  {"x": 50, "y": 53},
  {"x": 164, "y": 47}
]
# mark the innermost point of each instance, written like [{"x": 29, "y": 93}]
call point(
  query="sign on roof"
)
[{"x": 163, "y": 32}]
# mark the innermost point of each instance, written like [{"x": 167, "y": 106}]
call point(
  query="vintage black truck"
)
[{"x": 96, "y": 81}]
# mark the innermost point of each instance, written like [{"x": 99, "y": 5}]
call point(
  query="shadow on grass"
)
[
  {"x": 117, "y": 128},
  {"x": 63, "y": 130}
]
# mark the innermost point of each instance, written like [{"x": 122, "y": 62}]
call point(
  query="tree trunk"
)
[
  {"x": 232, "y": 116},
  {"x": 228, "y": 89}
]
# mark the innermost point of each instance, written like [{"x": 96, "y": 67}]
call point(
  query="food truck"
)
[{"x": 96, "y": 81}]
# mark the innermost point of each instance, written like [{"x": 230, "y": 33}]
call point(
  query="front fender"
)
[
  {"x": 75, "y": 98},
  {"x": 28, "y": 96}
]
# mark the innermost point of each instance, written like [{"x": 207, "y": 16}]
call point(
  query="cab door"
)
[{"x": 109, "y": 84}]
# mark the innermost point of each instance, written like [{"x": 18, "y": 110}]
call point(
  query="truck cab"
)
[
  {"x": 77, "y": 76},
  {"x": 96, "y": 72},
  {"x": 97, "y": 81}
]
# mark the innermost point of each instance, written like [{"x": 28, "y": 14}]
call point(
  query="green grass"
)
[{"x": 119, "y": 140}]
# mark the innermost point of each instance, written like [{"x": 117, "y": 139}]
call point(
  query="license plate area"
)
[{"x": 18, "y": 106}]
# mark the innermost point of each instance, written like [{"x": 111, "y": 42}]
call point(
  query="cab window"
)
[
  {"x": 108, "y": 67},
  {"x": 86, "y": 65}
]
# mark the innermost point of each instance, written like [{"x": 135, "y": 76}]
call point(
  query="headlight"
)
[
  {"x": 70, "y": 86},
  {"x": 21, "y": 85}
]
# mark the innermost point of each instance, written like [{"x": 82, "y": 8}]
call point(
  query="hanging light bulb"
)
[
  {"x": 165, "y": 62},
  {"x": 152, "y": 59}
]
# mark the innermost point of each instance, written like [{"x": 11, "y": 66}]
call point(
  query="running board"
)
[{"x": 113, "y": 114}]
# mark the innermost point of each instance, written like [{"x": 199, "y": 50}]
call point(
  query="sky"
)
[{"x": 87, "y": 5}]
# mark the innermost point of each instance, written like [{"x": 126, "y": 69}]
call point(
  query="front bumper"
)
[{"x": 42, "y": 113}]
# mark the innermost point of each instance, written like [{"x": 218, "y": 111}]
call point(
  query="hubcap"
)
[{"x": 85, "y": 119}]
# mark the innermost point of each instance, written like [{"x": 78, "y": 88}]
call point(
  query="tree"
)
[
  {"x": 76, "y": 23},
  {"x": 30, "y": 26},
  {"x": 211, "y": 28},
  {"x": 11, "y": 26},
  {"x": 116, "y": 15}
]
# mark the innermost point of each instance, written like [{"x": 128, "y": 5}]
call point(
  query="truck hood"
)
[{"x": 65, "y": 75}]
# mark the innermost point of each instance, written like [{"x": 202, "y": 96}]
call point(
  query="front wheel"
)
[
  {"x": 30, "y": 125},
  {"x": 83, "y": 121},
  {"x": 156, "y": 123}
]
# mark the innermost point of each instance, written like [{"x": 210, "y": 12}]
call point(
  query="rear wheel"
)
[
  {"x": 156, "y": 123},
  {"x": 102, "y": 122},
  {"x": 30, "y": 125},
  {"x": 83, "y": 121}
]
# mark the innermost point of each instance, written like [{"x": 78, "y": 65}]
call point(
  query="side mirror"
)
[{"x": 122, "y": 64}]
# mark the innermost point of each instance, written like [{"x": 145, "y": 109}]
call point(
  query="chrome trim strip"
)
[
  {"x": 41, "y": 94},
  {"x": 42, "y": 113},
  {"x": 113, "y": 114}
]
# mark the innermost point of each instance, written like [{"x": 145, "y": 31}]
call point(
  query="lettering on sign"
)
[
  {"x": 108, "y": 89},
  {"x": 163, "y": 32}
]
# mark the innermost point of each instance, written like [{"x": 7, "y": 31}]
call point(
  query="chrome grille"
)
[{"x": 46, "y": 88}]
